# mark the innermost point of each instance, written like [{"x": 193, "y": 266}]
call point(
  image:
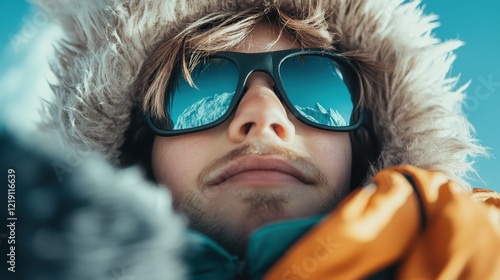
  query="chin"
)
[
  {"x": 238, "y": 230},
  {"x": 231, "y": 217}
]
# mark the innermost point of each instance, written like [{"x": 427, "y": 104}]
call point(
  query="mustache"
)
[{"x": 218, "y": 165}]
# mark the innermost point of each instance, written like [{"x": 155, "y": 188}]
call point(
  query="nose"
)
[{"x": 260, "y": 113}]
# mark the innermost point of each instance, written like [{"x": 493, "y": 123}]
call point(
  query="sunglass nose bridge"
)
[
  {"x": 262, "y": 77},
  {"x": 259, "y": 62},
  {"x": 262, "y": 63}
]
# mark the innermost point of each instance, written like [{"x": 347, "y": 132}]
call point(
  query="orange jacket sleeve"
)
[{"x": 419, "y": 221}]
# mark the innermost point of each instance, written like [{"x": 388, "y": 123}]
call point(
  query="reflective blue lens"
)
[
  {"x": 206, "y": 101},
  {"x": 315, "y": 86}
]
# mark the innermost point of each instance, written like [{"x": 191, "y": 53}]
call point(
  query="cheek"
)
[
  {"x": 176, "y": 161},
  {"x": 332, "y": 153}
]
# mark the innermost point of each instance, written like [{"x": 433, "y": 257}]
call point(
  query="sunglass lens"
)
[
  {"x": 207, "y": 100},
  {"x": 315, "y": 86}
]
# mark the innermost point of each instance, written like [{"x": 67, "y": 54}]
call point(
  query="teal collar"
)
[{"x": 207, "y": 260}]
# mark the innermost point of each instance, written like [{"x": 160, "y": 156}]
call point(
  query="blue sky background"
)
[{"x": 475, "y": 22}]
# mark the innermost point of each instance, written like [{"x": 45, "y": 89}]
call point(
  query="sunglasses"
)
[{"x": 317, "y": 86}]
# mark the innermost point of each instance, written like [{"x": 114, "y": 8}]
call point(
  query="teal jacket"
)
[{"x": 207, "y": 260}]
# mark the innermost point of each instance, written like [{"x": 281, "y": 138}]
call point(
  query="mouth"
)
[{"x": 261, "y": 171}]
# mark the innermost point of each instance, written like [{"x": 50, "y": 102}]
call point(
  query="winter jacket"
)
[{"x": 410, "y": 223}]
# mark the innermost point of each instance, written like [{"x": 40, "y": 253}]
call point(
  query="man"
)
[{"x": 253, "y": 112}]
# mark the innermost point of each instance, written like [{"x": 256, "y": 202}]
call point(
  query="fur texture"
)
[
  {"x": 94, "y": 223},
  {"x": 416, "y": 106}
]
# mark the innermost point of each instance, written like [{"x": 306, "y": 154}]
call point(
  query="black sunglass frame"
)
[{"x": 270, "y": 63}]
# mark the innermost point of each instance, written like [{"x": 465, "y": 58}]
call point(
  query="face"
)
[{"x": 262, "y": 165}]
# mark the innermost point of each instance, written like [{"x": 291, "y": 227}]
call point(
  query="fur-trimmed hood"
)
[{"x": 416, "y": 106}]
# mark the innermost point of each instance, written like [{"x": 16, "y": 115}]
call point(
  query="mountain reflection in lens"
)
[
  {"x": 208, "y": 99},
  {"x": 321, "y": 96}
]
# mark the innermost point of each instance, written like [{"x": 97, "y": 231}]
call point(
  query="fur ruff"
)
[{"x": 416, "y": 107}]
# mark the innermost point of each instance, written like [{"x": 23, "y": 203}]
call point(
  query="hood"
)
[{"x": 415, "y": 105}]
